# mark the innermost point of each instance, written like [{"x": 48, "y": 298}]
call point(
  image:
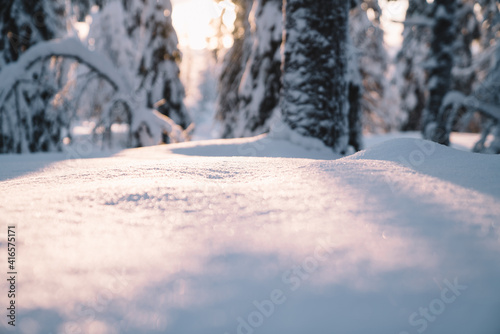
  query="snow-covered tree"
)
[
  {"x": 490, "y": 22},
  {"x": 463, "y": 73},
  {"x": 410, "y": 77},
  {"x": 355, "y": 94},
  {"x": 488, "y": 94},
  {"x": 158, "y": 69},
  {"x": 440, "y": 65},
  {"x": 475, "y": 97},
  {"x": 315, "y": 88},
  {"x": 108, "y": 35},
  {"x": 259, "y": 90},
  {"x": 261, "y": 82},
  {"x": 487, "y": 88},
  {"x": 139, "y": 38},
  {"x": 489, "y": 18},
  {"x": 416, "y": 59},
  {"x": 33, "y": 114},
  {"x": 136, "y": 35},
  {"x": 233, "y": 67},
  {"x": 23, "y": 23},
  {"x": 373, "y": 62}
]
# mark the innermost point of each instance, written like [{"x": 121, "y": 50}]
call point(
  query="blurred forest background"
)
[{"x": 131, "y": 73}]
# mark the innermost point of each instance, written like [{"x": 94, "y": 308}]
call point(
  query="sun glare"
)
[
  {"x": 393, "y": 13},
  {"x": 192, "y": 21}
]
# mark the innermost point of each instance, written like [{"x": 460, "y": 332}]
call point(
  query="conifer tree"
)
[
  {"x": 441, "y": 61},
  {"x": 233, "y": 67},
  {"x": 138, "y": 36},
  {"x": 410, "y": 77},
  {"x": 315, "y": 88},
  {"x": 259, "y": 90},
  {"x": 23, "y": 23}
]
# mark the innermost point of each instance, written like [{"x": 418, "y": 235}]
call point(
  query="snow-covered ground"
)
[{"x": 254, "y": 236}]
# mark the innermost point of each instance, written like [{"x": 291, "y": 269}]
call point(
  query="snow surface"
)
[{"x": 199, "y": 238}]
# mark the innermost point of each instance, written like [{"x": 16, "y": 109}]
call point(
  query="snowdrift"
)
[
  {"x": 148, "y": 241},
  {"x": 258, "y": 146},
  {"x": 470, "y": 170}
]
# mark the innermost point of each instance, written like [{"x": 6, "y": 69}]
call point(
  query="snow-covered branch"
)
[
  {"x": 454, "y": 101},
  {"x": 70, "y": 48},
  {"x": 28, "y": 127}
]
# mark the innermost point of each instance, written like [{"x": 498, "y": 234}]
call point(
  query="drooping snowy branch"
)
[
  {"x": 20, "y": 121},
  {"x": 70, "y": 48}
]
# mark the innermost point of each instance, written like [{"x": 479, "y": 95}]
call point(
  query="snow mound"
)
[
  {"x": 398, "y": 148},
  {"x": 260, "y": 146},
  {"x": 280, "y": 130},
  {"x": 469, "y": 170},
  {"x": 148, "y": 241}
]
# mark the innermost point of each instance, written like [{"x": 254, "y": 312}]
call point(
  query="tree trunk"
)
[
  {"x": 434, "y": 122},
  {"x": 315, "y": 89}
]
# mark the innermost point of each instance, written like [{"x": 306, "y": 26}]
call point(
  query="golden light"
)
[
  {"x": 393, "y": 13},
  {"x": 192, "y": 20}
]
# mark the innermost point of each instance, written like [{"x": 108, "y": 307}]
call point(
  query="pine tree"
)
[
  {"x": 259, "y": 90},
  {"x": 315, "y": 89},
  {"x": 373, "y": 63},
  {"x": 410, "y": 76},
  {"x": 489, "y": 94},
  {"x": 355, "y": 94},
  {"x": 143, "y": 46},
  {"x": 233, "y": 67},
  {"x": 139, "y": 38},
  {"x": 415, "y": 56},
  {"x": 108, "y": 35},
  {"x": 39, "y": 125},
  {"x": 441, "y": 60},
  {"x": 158, "y": 68},
  {"x": 463, "y": 73},
  {"x": 475, "y": 78},
  {"x": 490, "y": 23},
  {"x": 487, "y": 87},
  {"x": 23, "y": 23}
]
